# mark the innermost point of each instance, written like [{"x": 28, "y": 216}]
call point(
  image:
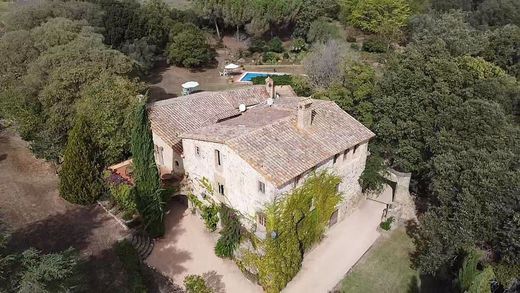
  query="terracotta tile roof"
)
[
  {"x": 171, "y": 117},
  {"x": 267, "y": 137}
]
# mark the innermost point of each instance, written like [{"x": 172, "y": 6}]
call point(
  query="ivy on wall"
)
[{"x": 297, "y": 222}]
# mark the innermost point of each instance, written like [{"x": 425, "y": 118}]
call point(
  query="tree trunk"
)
[{"x": 216, "y": 27}]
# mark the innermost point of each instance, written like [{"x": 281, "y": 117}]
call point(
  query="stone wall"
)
[{"x": 171, "y": 160}]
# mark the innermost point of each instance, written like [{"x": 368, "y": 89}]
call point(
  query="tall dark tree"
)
[
  {"x": 80, "y": 180},
  {"x": 150, "y": 196}
]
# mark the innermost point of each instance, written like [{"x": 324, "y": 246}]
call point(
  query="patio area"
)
[{"x": 188, "y": 248}]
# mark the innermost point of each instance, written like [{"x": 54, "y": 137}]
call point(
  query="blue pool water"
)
[{"x": 250, "y": 75}]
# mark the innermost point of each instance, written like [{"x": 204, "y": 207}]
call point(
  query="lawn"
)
[
  {"x": 3, "y": 9},
  {"x": 384, "y": 268}
]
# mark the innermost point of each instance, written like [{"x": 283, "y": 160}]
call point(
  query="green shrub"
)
[
  {"x": 230, "y": 235},
  {"x": 354, "y": 46},
  {"x": 298, "y": 45},
  {"x": 386, "y": 225},
  {"x": 275, "y": 45},
  {"x": 210, "y": 216},
  {"x": 375, "y": 45},
  {"x": 132, "y": 265},
  {"x": 372, "y": 180},
  {"x": 190, "y": 49},
  {"x": 80, "y": 177},
  {"x": 121, "y": 193},
  {"x": 351, "y": 39},
  {"x": 269, "y": 58},
  {"x": 196, "y": 284},
  {"x": 278, "y": 79},
  {"x": 257, "y": 46}
]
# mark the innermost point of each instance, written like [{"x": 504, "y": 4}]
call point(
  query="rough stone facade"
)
[{"x": 241, "y": 183}]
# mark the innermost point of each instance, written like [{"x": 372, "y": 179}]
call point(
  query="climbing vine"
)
[
  {"x": 297, "y": 222},
  {"x": 231, "y": 232}
]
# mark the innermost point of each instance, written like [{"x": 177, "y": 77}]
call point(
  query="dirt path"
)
[
  {"x": 38, "y": 217},
  {"x": 344, "y": 244}
]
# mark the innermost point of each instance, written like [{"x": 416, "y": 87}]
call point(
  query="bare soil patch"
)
[{"x": 38, "y": 217}]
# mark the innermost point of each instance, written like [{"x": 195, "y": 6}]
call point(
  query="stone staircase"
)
[{"x": 142, "y": 243}]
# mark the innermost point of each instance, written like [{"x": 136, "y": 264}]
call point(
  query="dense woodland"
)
[{"x": 440, "y": 88}]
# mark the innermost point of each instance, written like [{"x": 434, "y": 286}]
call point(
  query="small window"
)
[
  {"x": 297, "y": 180},
  {"x": 345, "y": 154},
  {"x": 177, "y": 163},
  {"x": 355, "y": 148},
  {"x": 337, "y": 187},
  {"x": 197, "y": 151},
  {"x": 156, "y": 148},
  {"x": 218, "y": 158},
  {"x": 221, "y": 189},
  {"x": 261, "y": 186},
  {"x": 261, "y": 219},
  {"x": 336, "y": 156}
]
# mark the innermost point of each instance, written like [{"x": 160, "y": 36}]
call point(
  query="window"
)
[
  {"x": 218, "y": 159},
  {"x": 297, "y": 180},
  {"x": 337, "y": 187},
  {"x": 345, "y": 154},
  {"x": 261, "y": 219},
  {"x": 261, "y": 186},
  {"x": 221, "y": 189},
  {"x": 355, "y": 148},
  {"x": 158, "y": 154},
  {"x": 336, "y": 156},
  {"x": 177, "y": 163},
  {"x": 197, "y": 151}
]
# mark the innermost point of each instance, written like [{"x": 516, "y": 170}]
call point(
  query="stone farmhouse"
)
[{"x": 255, "y": 144}]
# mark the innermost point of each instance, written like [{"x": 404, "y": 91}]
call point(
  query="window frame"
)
[
  {"x": 261, "y": 187},
  {"x": 218, "y": 158}
]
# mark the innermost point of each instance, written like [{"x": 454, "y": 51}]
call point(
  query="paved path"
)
[
  {"x": 345, "y": 243},
  {"x": 188, "y": 248}
]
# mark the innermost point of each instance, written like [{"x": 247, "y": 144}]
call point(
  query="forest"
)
[{"x": 436, "y": 80}]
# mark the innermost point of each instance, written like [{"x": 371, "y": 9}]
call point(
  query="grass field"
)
[
  {"x": 385, "y": 267},
  {"x": 3, "y": 8},
  {"x": 179, "y": 4}
]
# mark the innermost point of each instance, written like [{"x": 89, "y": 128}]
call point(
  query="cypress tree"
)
[
  {"x": 80, "y": 177},
  {"x": 150, "y": 196}
]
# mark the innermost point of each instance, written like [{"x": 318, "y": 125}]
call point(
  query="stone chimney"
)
[
  {"x": 269, "y": 86},
  {"x": 304, "y": 114}
]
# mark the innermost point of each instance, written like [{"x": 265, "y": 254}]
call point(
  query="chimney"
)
[
  {"x": 304, "y": 114},
  {"x": 269, "y": 86}
]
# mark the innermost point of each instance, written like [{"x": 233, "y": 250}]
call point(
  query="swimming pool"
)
[{"x": 248, "y": 76}]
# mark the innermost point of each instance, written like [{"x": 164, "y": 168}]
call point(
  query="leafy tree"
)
[
  {"x": 190, "y": 49},
  {"x": 385, "y": 17},
  {"x": 312, "y": 10},
  {"x": 17, "y": 51},
  {"x": 150, "y": 196},
  {"x": 354, "y": 93},
  {"x": 155, "y": 21},
  {"x": 322, "y": 30},
  {"x": 80, "y": 179},
  {"x": 497, "y": 13},
  {"x": 372, "y": 180},
  {"x": 32, "y": 271},
  {"x": 503, "y": 49},
  {"x": 448, "y": 31},
  {"x": 142, "y": 52},
  {"x": 108, "y": 105},
  {"x": 53, "y": 83},
  {"x": 196, "y": 284},
  {"x": 122, "y": 22},
  {"x": 212, "y": 10},
  {"x": 31, "y": 15}
]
